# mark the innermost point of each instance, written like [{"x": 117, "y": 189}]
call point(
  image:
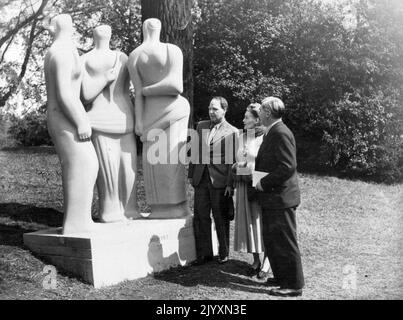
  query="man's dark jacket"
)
[{"x": 277, "y": 156}]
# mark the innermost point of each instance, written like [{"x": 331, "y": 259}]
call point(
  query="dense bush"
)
[
  {"x": 339, "y": 70},
  {"x": 30, "y": 129},
  {"x": 359, "y": 138}
]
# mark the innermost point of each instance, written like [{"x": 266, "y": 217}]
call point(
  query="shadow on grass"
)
[
  {"x": 212, "y": 274},
  {"x": 22, "y": 218},
  {"x": 12, "y": 235},
  {"x": 30, "y": 150},
  {"x": 31, "y": 214}
]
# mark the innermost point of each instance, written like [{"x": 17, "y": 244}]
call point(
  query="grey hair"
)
[{"x": 274, "y": 105}]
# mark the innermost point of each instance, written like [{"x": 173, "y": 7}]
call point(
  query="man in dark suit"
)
[
  {"x": 279, "y": 197},
  {"x": 211, "y": 177}
]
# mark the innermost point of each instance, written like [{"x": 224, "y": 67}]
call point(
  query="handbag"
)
[
  {"x": 251, "y": 192},
  {"x": 228, "y": 208}
]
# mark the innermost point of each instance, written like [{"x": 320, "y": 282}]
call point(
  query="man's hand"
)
[
  {"x": 259, "y": 187},
  {"x": 229, "y": 192}
]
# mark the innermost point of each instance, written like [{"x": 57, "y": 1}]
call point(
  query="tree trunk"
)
[
  {"x": 176, "y": 20},
  {"x": 12, "y": 32},
  {"x": 13, "y": 88}
]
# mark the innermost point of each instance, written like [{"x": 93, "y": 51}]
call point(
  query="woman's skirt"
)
[{"x": 248, "y": 222}]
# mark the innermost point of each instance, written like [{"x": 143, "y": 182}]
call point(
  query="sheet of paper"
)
[{"x": 256, "y": 176}]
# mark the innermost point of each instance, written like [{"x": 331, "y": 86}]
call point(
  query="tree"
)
[
  {"x": 27, "y": 17},
  {"x": 341, "y": 81},
  {"x": 25, "y": 32},
  {"x": 23, "y": 19},
  {"x": 177, "y": 28}
]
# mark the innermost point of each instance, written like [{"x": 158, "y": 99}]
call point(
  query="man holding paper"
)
[{"x": 279, "y": 197}]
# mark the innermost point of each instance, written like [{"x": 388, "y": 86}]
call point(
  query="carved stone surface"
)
[
  {"x": 69, "y": 127},
  {"x": 156, "y": 72},
  {"x": 105, "y": 88}
]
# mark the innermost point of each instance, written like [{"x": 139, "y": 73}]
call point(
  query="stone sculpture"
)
[
  {"x": 105, "y": 87},
  {"x": 69, "y": 127},
  {"x": 156, "y": 72}
]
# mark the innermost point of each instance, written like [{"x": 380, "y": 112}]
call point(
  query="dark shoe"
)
[
  {"x": 272, "y": 282},
  {"x": 223, "y": 260},
  {"x": 202, "y": 260},
  {"x": 284, "y": 292},
  {"x": 253, "y": 271},
  {"x": 262, "y": 275}
]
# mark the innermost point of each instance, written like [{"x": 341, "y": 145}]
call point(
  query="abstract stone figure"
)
[
  {"x": 69, "y": 127},
  {"x": 105, "y": 87},
  {"x": 156, "y": 72}
]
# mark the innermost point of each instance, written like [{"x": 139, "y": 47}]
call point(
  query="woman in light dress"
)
[{"x": 248, "y": 221}]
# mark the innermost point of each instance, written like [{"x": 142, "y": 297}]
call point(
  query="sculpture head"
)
[
  {"x": 272, "y": 109},
  {"x": 217, "y": 109},
  {"x": 151, "y": 29},
  {"x": 102, "y": 32},
  {"x": 62, "y": 24},
  {"x": 251, "y": 119}
]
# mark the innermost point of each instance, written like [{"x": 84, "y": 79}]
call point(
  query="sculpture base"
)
[{"x": 118, "y": 251}]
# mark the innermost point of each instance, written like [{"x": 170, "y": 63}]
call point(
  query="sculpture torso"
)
[
  {"x": 154, "y": 65},
  {"x": 57, "y": 120},
  {"x": 112, "y": 110},
  {"x": 70, "y": 130}
]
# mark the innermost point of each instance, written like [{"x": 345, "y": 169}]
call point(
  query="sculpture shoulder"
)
[
  {"x": 134, "y": 55},
  {"x": 123, "y": 56},
  {"x": 174, "y": 49},
  {"x": 57, "y": 56}
]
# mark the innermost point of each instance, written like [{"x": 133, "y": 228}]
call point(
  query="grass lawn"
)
[{"x": 341, "y": 223}]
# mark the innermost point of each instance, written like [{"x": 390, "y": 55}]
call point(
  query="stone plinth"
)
[{"x": 116, "y": 252}]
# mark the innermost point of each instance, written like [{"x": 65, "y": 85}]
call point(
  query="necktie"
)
[{"x": 211, "y": 135}]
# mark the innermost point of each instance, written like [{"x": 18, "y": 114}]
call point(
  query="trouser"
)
[
  {"x": 209, "y": 199},
  {"x": 280, "y": 240}
]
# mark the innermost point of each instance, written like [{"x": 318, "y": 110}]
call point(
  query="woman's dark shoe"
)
[
  {"x": 262, "y": 275},
  {"x": 223, "y": 260},
  {"x": 202, "y": 260},
  {"x": 253, "y": 271}
]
